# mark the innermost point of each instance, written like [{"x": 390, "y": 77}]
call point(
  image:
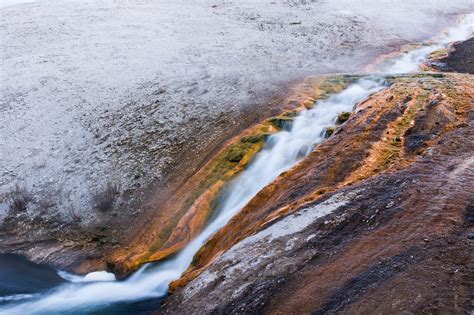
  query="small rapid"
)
[{"x": 282, "y": 151}]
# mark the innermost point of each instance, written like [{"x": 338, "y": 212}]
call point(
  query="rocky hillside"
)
[{"x": 379, "y": 218}]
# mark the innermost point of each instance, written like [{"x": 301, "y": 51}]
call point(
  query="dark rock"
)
[
  {"x": 433, "y": 103},
  {"x": 343, "y": 117},
  {"x": 329, "y": 131},
  {"x": 282, "y": 122},
  {"x": 462, "y": 58},
  {"x": 235, "y": 156}
]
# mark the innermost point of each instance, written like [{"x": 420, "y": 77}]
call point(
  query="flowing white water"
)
[
  {"x": 410, "y": 61},
  {"x": 282, "y": 151}
]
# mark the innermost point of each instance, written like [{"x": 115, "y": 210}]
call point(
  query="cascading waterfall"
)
[{"x": 282, "y": 151}]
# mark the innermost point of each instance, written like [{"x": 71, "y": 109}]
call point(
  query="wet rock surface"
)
[{"x": 376, "y": 216}]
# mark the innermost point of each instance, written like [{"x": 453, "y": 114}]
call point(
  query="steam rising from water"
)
[
  {"x": 282, "y": 151},
  {"x": 411, "y": 61}
]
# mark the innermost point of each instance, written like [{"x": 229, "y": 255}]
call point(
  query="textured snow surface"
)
[
  {"x": 6, "y": 3},
  {"x": 92, "y": 90}
]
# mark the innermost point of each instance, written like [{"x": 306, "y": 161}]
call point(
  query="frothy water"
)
[
  {"x": 282, "y": 151},
  {"x": 410, "y": 61},
  {"x": 90, "y": 277}
]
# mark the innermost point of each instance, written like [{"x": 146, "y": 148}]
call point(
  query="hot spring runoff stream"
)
[{"x": 99, "y": 292}]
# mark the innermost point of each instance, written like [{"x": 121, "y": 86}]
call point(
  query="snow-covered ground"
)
[
  {"x": 6, "y": 3},
  {"x": 98, "y": 91}
]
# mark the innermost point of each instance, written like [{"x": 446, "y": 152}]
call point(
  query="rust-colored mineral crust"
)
[{"x": 399, "y": 177}]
